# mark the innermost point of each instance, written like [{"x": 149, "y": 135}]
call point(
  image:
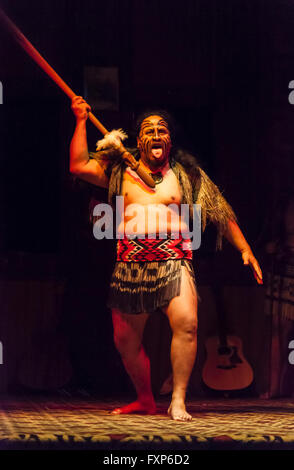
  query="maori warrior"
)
[
  {"x": 153, "y": 274},
  {"x": 150, "y": 274}
]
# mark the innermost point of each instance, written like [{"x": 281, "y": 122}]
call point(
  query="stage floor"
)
[{"x": 61, "y": 423}]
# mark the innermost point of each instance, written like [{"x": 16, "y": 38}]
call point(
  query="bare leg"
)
[
  {"x": 128, "y": 333},
  {"x": 167, "y": 385},
  {"x": 182, "y": 314}
]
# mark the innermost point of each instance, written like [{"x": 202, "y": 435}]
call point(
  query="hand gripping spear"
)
[{"x": 36, "y": 56}]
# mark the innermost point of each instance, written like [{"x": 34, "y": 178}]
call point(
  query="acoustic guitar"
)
[{"x": 226, "y": 368}]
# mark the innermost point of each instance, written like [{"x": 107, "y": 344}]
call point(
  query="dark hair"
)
[{"x": 156, "y": 112}]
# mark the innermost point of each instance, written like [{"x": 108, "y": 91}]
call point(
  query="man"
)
[{"x": 153, "y": 274}]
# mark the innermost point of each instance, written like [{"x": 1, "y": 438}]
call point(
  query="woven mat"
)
[{"x": 234, "y": 424}]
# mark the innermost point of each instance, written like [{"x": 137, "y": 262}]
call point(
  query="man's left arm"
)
[
  {"x": 234, "y": 235},
  {"x": 216, "y": 209}
]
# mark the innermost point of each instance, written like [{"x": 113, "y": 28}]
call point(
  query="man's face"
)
[{"x": 154, "y": 141}]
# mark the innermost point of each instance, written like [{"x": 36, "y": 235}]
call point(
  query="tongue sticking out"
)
[{"x": 157, "y": 152}]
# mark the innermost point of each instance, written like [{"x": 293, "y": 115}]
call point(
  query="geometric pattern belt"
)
[{"x": 145, "y": 249}]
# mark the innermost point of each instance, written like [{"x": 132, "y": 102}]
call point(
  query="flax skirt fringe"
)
[{"x": 146, "y": 286}]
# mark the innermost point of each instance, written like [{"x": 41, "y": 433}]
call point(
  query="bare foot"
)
[
  {"x": 177, "y": 411},
  {"x": 148, "y": 408}
]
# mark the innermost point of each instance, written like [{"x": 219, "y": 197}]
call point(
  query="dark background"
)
[{"x": 222, "y": 67}]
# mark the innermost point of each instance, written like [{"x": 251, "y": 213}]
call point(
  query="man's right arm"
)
[{"x": 80, "y": 165}]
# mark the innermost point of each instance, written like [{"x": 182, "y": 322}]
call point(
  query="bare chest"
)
[{"x": 135, "y": 191}]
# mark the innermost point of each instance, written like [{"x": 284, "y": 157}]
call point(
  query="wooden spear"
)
[{"x": 36, "y": 56}]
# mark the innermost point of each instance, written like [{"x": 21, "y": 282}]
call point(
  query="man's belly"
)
[{"x": 152, "y": 219}]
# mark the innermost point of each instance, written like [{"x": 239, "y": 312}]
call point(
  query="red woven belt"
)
[{"x": 153, "y": 250}]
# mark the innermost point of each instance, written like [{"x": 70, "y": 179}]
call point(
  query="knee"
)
[
  {"x": 188, "y": 328},
  {"x": 126, "y": 344},
  {"x": 120, "y": 340},
  {"x": 191, "y": 330}
]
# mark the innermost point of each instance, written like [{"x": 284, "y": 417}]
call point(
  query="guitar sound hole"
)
[{"x": 224, "y": 351}]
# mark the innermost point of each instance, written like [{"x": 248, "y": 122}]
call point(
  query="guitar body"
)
[{"x": 226, "y": 367}]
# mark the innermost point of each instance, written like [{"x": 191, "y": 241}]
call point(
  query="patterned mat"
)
[{"x": 232, "y": 424}]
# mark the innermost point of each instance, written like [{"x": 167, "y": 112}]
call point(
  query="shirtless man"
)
[{"x": 154, "y": 144}]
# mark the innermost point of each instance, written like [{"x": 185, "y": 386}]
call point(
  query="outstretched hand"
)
[{"x": 250, "y": 260}]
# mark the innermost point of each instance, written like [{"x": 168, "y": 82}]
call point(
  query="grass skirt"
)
[{"x": 138, "y": 287}]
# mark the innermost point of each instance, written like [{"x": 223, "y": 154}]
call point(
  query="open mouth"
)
[{"x": 156, "y": 150}]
